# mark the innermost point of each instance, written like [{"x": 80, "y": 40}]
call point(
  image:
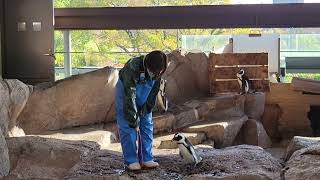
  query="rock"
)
[
  {"x": 206, "y": 109},
  {"x": 254, "y": 105},
  {"x": 19, "y": 94},
  {"x": 79, "y": 100},
  {"x": 16, "y": 132},
  {"x": 232, "y": 162},
  {"x": 187, "y": 76},
  {"x": 229, "y": 177},
  {"x": 304, "y": 164},
  {"x": 40, "y": 158},
  {"x": 164, "y": 142},
  {"x": 13, "y": 97},
  {"x": 299, "y": 142},
  {"x": 93, "y": 133},
  {"x": 277, "y": 152},
  {"x": 100, "y": 165},
  {"x": 227, "y": 106},
  {"x": 4, "y": 107},
  {"x": 237, "y": 162},
  {"x": 253, "y": 133},
  {"x": 223, "y": 133},
  {"x": 199, "y": 65},
  {"x": 270, "y": 119},
  {"x": 4, "y": 156},
  {"x": 113, "y": 128},
  {"x": 163, "y": 123},
  {"x": 185, "y": 115}
]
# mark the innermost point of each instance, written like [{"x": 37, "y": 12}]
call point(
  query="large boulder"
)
[
  {"x": 40, "y": 158},
  {"x": 304, "y": 164},
  {"x": 4, "y": 123},
  {"x": 94, "y": 133},
  {"x": 254, "y": 105},
  {"x": 238, "y": 162},
  {"x": 243, "y": 162},
  {"x": 79, "y": 100},
  {"x": 4, "y": 107},
  {"x": 300, "y": 142},
  {"x": 189, "y": 113},
  {"x": 19, "y": 95},
  {"x": 187, "y": 76},
  {"x": 270, "y": 119},
  {"x": 165, "y": 142},
  {"x": 4, "y": 156},
  {"x": 100, "y": 165},
  {"x": 13, "y": 97},
  {"x": 223, "y": 133},
  {"x": 163, "y": 123},
  {"x": 253, "y": 133},
  {"x": 199, "y": 65}
]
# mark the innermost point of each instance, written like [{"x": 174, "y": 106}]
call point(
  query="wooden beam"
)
[
  {"x": 233, "y": 86},
  {"x": 231, "y": 72},
  {"x": 187, "y": 17},
  {"x": 234, "y": 59},
  {"x": 306, "y": 85}
]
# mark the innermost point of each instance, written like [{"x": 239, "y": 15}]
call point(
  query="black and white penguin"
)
[
  {"x": 244, "y": 82},
  {"x": 186, "y": 149},
  {"x": 161, "y": 97}
]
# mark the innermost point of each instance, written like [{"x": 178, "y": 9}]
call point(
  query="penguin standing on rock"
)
[
  {"x": 244, "y": 82},
  {"x": 186, "y": 149}
]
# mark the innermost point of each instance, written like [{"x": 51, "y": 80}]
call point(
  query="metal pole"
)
[{"x": 67, "y": 54}]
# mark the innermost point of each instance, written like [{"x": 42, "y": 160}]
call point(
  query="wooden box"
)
[{"x": 223, "y": 70}]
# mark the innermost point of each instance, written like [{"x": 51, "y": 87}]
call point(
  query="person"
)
[{"x": 136, "y": 92}]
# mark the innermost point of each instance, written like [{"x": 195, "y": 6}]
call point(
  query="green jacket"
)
[{"x": 130, "y": 75}]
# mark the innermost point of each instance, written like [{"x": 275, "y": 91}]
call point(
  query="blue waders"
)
[{"x": 128, "y": 135}]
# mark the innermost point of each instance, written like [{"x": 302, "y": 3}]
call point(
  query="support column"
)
[{"x": 67, "y": 53}]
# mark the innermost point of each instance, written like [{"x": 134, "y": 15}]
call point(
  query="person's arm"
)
[
  {"x": 129, "y": 79},
  {"x": 152, "y": 98}
]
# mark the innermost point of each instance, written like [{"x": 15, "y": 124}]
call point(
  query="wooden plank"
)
[
  {"x": 306, "y": 85},
  {"x": 233, "y": 86},
  {"x": 231, "y": 72},
  {"x": 231, "y": 59}
]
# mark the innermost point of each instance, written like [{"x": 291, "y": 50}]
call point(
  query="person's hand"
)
[{"x": 137, "y": 129}]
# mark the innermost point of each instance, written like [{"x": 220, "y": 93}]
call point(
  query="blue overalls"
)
[{"x": 128, "y": 135}]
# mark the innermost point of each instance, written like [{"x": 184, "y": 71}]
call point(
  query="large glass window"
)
[{"x": 93, "y": 49}]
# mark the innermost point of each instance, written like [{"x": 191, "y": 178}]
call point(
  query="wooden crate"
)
[{"x": 224, "y": 67}]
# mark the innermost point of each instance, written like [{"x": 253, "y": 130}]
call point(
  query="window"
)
[{"x": 93, "y": 49}]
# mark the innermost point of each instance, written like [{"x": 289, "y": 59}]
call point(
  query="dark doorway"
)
[
  {"x": 314, "y": 117},
  {"x": 1, "y": 35},
  {"x": 29, "y": 40}
]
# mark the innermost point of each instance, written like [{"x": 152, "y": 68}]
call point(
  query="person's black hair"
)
[{"x": 156, "y": 62}]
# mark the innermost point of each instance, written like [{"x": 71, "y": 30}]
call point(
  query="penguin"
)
[
  {"x": 186, "y": 149},
  {"x": 244, "y": 82},
  {"x": 161, "y": 97}
]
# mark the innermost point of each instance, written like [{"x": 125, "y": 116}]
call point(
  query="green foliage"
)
[
  {"x": 102, "y": 47},
  {"x": 314, "y": 76}
]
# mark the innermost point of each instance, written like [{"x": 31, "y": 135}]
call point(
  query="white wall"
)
[{"x": 266, "y": 43}]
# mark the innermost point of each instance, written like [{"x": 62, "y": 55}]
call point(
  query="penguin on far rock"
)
[{"x": 244, "y": 82}]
